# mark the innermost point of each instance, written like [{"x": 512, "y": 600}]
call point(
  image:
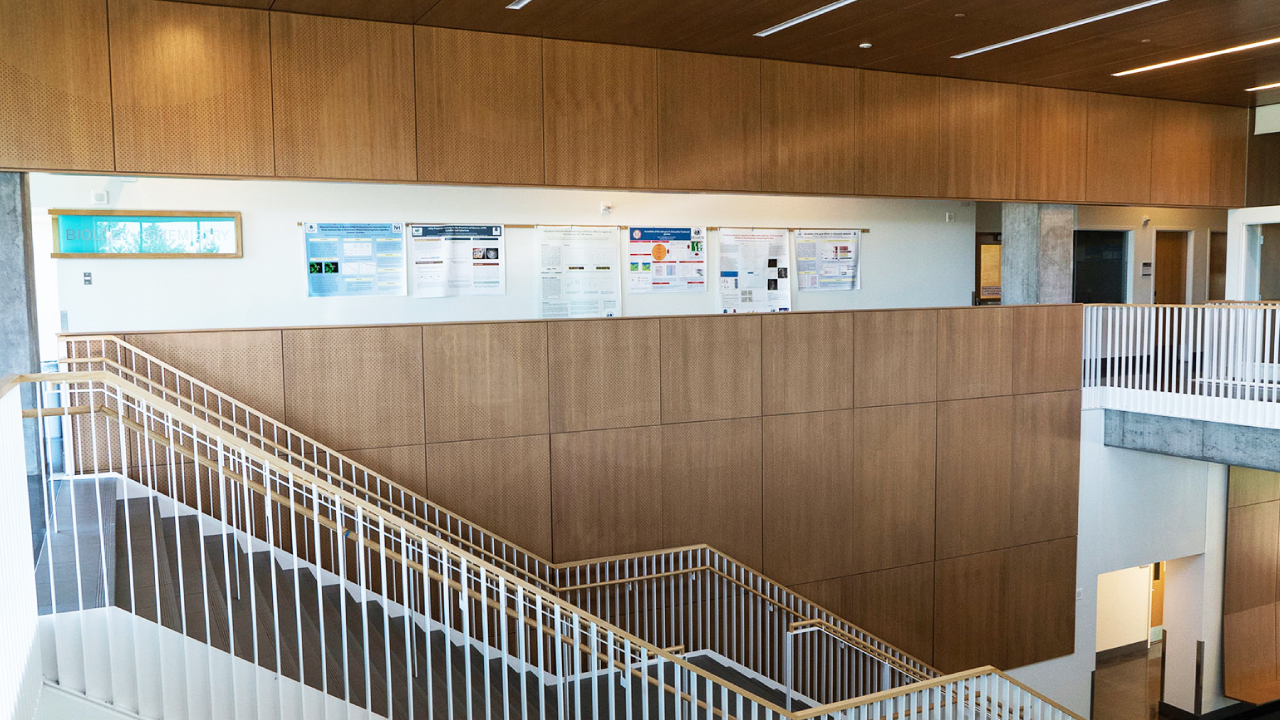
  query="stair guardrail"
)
[
  {"x": 281, "y": 546},
  {"x": 742, "y": 616}
]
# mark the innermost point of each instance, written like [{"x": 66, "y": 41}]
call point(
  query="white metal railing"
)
[
  {"x": 1219, "y": 362},
  {"x": 739, "y": 614},
  {"x": 407, "y": 602},
  {"x": 423, "y": 628}
]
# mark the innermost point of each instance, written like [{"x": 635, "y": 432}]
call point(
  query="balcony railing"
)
[{"x": 1219, "y": 363}]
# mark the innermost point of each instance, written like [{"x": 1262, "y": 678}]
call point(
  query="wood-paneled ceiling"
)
[{"x": 911, "y": 36}]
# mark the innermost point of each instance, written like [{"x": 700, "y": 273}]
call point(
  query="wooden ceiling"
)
[{"x": 912, "y": 36}]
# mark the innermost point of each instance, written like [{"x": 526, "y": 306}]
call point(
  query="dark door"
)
[
  {"x": 1100, "y": 266},
  {"x": 1217, "y": 266}
]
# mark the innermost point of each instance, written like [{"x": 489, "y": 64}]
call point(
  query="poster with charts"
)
[
  {"x": 457, "y": 260},
  {"x": 581, "y": 273},
  {"x": 666, "y": 259},
  {"x": 755, "y": 270},
  {"x": 827, "y": 260},
  {"x": 354, "y": 259}
]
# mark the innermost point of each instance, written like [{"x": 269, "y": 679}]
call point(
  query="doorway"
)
[
  {"x": 1170, "y": 282},
  {"x": 1269, "y": 263},
  {"x": 1128, "y": 682},
  {"x": 1101, "y": 266},
  {"x": 1217, "y": 266}
]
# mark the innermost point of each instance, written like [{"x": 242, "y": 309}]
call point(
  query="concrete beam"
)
[{"x": 1238, "y": 445}]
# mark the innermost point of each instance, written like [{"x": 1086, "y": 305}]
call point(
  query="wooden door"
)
[
  {"x": 1217, "y": 266},
  {"x": 1171, "y": 268},
  {"x": 1157, "y": 595}
]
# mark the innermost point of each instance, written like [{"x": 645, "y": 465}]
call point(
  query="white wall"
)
[
  {"x": 911, "y": 258},
  {"x": 1199, "y": 222},
  {"x": 1124, "y": 607},
  {"x": 1136, "y": 509}
]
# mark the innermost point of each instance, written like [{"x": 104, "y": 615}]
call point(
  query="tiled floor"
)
[{"x": 1127, "y": 686}]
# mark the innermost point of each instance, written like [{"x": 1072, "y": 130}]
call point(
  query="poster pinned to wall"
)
[
  {"x": 755, "y": 270},
  {"x": 667, "y": 260},
  {"x": 457, "y": 260},
  {"x": 355, "y": 259},
  {"x": 581, "y": 271},
  {"x": 828, "y": 260}
]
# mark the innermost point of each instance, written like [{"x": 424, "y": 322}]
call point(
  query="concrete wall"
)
[
  {"x": 1136, "y": 509},
  {"x": 913, "y": 257},
  {"x": 1143, "y": 248}
]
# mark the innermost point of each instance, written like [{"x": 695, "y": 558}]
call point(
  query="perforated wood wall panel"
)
[
  {"x": 405, "y": 465},
  {"x": 975, "y": 353},
  {"x": 1046, "y": 343},
  {"x": 710, "y": 368},
  {"x": 479, "y": 107},
  {"x": 979, "y": 128},
  {"x": 711, "y": 487},
  {"x": 604, "y": 374},
  {"x": 896, "y": 357},
  {"x": 55, "y": 89},
  {"x": 807, "y": 362},
  {"x": 605, "y": 490},
  {"x": 247, "y": 365},
  {"x": 716, "y": 146},
  {"x": 1249, "y": 486},
  {"x": 503, "y": 485},
  {"x": 191, "y": 88},
  {"x": 601, "y": 114},
  {"x": 809, "y": 127},
  {"x": 485, "y": 381},
  {"x": 1119, "y": 160},
  {"x": 1045, "y": 492},
  {"x": 975, "y": 466},
  {"x": 355, "y": 387},
  {"x": 894, "y": 605},
  {"x": 807, "y": 493},
  {"x": 343, "y": 98},
  {"x": 1053, "y": 142},
  {"x": 900, "y": 117},
  {"x": 894, "y": 460}
]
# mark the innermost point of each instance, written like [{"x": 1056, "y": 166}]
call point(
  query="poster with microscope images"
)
[
  {"x": 581, "y": 273},
  {"x": 755, "y": 270},
  {"x": 457, "y": 260},
  {"x": 666, "y": 259},
  {"x": 827, "y": 260},
  {"x": 354, "y": 259}
]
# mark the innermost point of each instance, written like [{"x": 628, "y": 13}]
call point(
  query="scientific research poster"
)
[
  {"x": 581, "y": 273},
  {"x": 755, "y": 270},
  {"x": 354, "y": 259},
  {"x": 455, "y": 260},
  {"x": 827, "y": 260},
  {"x": 667, "y": 259}
]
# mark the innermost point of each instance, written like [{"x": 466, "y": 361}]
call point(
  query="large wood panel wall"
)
[
  {"x": 202, "y": 90},
  {"x": 916, "y": 471},
  {"x": 1250, "y": 597}
]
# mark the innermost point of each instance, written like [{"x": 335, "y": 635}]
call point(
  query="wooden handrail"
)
[
  {"x": 369, "y": 472},
  {"x": 858, "y": 643}
]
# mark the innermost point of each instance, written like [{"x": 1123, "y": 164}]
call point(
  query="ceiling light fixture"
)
[
  {"x": 1203, "y": 56},
  {"x": 518, "y": 4},
  {"x": 1272, "y": 86},
  {"x": 1060, "y": 28},
  {"x": 807, "y": 16}
]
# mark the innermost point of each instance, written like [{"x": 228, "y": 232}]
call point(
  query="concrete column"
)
[
  {"x": 19, "y": 341},
  {"x": 1039, "y": 250}
]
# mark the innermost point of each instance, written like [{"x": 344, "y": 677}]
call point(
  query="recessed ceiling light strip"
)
[
  {"x": 807, "y": 16},
  {"x": 1272, "y": 86},
  {"x": 1204, "y": 56},
  {"x": 1060, "y": 28},
  {"x": 518, "y": 4}
]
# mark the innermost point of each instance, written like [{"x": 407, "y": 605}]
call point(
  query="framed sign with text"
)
[{"x": 155, "y": 234}]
